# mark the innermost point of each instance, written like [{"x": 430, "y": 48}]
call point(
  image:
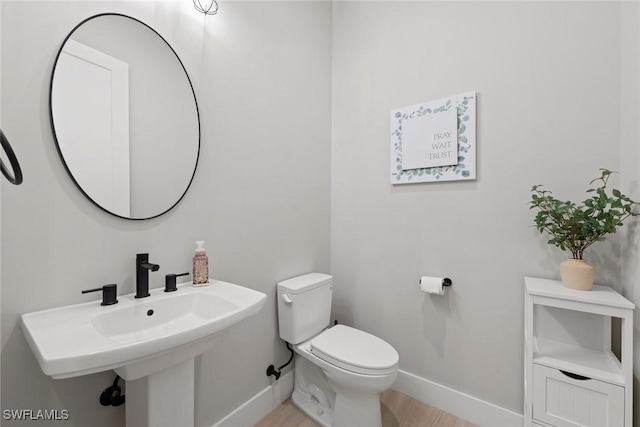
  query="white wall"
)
[
  {"x": 547, "y": 75},
  {"x": 629, "y": 167},
  {"x": 260, "y": 198}
]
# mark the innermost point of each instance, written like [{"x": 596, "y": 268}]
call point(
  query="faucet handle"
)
[
  {"x": 109, "y": 293},
  {"x": 170, "y": 282}
]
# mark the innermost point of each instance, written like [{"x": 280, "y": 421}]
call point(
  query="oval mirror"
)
[{"x": 124, "y": 116}]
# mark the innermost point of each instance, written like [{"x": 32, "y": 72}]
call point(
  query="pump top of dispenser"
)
[{"x": 200, "y": 246}]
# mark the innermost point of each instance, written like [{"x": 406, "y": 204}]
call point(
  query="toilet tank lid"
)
[{"x": 304, "y": 283}]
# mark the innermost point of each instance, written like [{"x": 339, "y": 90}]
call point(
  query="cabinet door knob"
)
[{"x": 575, "y": 376}]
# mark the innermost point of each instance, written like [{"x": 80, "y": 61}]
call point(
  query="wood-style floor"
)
[{"x": 398, "y": 410}]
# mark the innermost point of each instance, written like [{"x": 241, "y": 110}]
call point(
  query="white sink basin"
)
[
  {"x": 163, "y": 317},
  {"x": 137, "y": 337}
]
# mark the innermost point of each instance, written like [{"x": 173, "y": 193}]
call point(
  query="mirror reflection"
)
[{"x": 125, "y": 116}]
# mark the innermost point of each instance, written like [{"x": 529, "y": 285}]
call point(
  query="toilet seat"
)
[{"x": 355, "y": 350}]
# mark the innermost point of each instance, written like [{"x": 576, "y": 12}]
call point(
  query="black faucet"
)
[{"x": 143, "y": 266}]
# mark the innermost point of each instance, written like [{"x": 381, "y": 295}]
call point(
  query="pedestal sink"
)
[{"x": 150, "y": 342}]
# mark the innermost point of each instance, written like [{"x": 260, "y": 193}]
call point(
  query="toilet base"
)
[
  {"x": 350, "y": 409},
  {"x": 335, "y": 400},
  {"x": 357, "y": 409},
  {"x": 312, "y": 408},
  {"x": 312, "y": 393}
]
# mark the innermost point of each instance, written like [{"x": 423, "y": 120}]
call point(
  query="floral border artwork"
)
[{"x": 465, "y": 169}]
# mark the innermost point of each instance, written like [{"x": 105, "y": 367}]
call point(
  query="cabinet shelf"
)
[{"x": 597, "y": 364}]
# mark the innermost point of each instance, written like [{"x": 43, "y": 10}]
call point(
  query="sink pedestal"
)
[{"x": 162, "y": 399}]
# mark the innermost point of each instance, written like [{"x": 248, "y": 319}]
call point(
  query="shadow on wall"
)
[
  {"x": 342, "y": 312},
  {"x": 436, "y": 311},
  {"x": 630, "y": 255},
  {"x": 636, "y": 374},
  {"x": 606, "y": 257}
]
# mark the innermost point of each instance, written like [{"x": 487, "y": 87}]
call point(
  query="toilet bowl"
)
[
  {"x": 358, "y": 368},
  {"x": 341, "y": 371}
]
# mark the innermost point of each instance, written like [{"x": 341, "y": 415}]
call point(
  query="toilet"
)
[{"x": 340, "y": 371}]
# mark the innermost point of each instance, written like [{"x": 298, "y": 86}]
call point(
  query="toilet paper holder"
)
[{"x": 445, "y": 282}]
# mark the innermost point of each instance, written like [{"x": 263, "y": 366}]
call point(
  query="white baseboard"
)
[
  {"x": 256, "y": 408},
  {"x": 449, "y": 400},
  {"x": 457, "y": 403}
]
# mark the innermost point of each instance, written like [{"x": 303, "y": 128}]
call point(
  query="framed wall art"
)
[{"x": 434, "y": 141}]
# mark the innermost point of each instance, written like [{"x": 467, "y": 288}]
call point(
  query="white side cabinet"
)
[{"x": 571, "y": 376}]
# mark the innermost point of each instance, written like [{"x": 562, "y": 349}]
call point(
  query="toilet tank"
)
[{"x": 304, "y": 306}]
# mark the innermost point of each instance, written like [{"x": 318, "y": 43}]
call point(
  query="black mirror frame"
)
[{"x": 53, "y": 128}]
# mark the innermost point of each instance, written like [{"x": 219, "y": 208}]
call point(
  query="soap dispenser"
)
[{"x": 200, "y": 265}]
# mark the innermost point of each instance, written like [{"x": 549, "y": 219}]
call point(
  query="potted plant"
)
[{"x": 574, "y": 227}]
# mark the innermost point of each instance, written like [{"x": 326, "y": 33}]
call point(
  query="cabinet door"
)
[{"x": 567, "y": 402}]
